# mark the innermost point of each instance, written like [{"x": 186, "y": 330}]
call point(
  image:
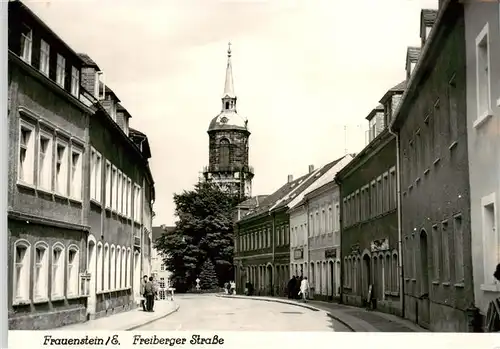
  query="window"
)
[
  {"x": 76, "y": 174},
  {"x": 75, "y": 82},
  {"x": 458, "y": 239},
  {"x": 21, "y": 271},
  {"x": 108, "y": 185},
  {"x": 387, "y": 194},
  {"x": 483, "y": 73},
  {"x": 379, "y": 195},
  {"x": 57, "y": 271},
  {"x": 330, "y": 219},
  {"x": 107, "y": 263},
  {"x": 45, "y": 161},
  {"x": 394, "y": 190},
  {"x": 119, "y": 192},
  {"x": 26, "y": 43},
  {"x": 127, "y": 276},
  {"x": 95, "y": 176},
  {"x": 129, "y": 195},
  {"x": 395, "y": 273},
  {"x": 116, "y": 185},
  {"x": 162, "y": 282},
  {"x": 287, "y": 235},
  {"x": 137, "y": 203},
  {"x": 224, "y": 152},
  {"x": 118, "y": 267},
  {"x": 62, "y": 168},
  {"x": 26, "y": 153},
  {"x": 387, "y": 273},
  {"x": 61, "y": 70},
  {"x": 99, "y": 268},
  {"x": 44, "y": 58},
  {"x": 445, "y": 251},
  {"x": 123, "y": 282},
  {"x": 124, "y": 195},
  {"x": 337, "y": 217},
  {"x": 436, "y": 252},
  {"x": 112, "y": 273},
  {"x": 41, "y": 272},
  {"x": 73, "y": 271},
  {"x": 373, "y": 198}
]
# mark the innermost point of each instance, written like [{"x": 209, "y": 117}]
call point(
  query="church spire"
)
[{"x": 229, "y": 85}]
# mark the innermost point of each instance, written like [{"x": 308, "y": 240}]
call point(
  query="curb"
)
[
  {"x": 177, "y": 306},
  {"x": 310, "y": 307}
]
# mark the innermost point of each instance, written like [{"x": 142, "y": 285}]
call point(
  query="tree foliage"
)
[
  {"x": 204, "y": 230},
  {"x": 208, "y": 276}
]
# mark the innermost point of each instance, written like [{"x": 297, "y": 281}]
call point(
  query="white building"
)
[
  {"x": 304, "y": 219},
  {"x": 158, "y": 271},
  {"x": 482, "y": 40}
]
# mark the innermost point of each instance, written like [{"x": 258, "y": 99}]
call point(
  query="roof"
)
[
  {"x": 253, "y": 201},
  {"x": 428, "y": 16},
  {"x": 412, "y": 54},
  {"x": 37, "y": 19},
  {"x": 399, "y": 88},
  {"x": 378, "y": 108},
  {"x": 120, "y": 107},
  {"x": 157, "y": 232},
  {"x": 139, "y": 136},
  {"x": 88, "y": 62},
  {"x": 108, "y": 91},
  {"x": 228, "y": 120}
]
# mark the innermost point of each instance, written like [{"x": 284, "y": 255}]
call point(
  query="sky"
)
[{"x": 306, "y": 74}]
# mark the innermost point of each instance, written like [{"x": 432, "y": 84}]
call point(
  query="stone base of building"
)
[
  {"x": 389, "y": 306},
  {"x": 113, "y": 311},
  {"x": 48, "y": 320},
  {"x": 114, "y": 302},
  {"x": 436, "y": 317}
]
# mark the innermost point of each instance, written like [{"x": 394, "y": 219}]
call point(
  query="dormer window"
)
[
  {"x": 44, "y": 58},
  {"x": 61, "y": 70},
  {"x": 373, "y": 129},
  {"x": 75, "y": 82},
  {"x": 26, "y": 43}
]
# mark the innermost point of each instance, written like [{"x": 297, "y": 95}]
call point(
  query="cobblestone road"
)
[{"x": 210, "y": 313}]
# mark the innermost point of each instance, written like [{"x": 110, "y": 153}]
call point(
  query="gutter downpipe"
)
[
  {"x": 273, "y": 267},
  {"x": 341, "y": 209},
  {"x": 399, "y": 212}
]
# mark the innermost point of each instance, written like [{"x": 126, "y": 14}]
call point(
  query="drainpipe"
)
[
  {"x": 341, "y": 209},
  {"x": 399, "y": 212},
  {"x": 274, "y": 244}
]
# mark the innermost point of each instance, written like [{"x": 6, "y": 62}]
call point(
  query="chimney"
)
[
  {"x": 427, "y": 19},
  {"x": 290, "y": 178},
  {"x": 311, "y": 168},
  {"x": 412, "y": 56}
]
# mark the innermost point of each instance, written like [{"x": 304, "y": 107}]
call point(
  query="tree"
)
[
  {"x": 204, "y": 230},
  {"x": 208, "y": 277}
]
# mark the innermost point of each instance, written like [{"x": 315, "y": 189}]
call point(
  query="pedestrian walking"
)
[
  {"x": 304, "y": 289},
  {"x": 296, "y": 291},
  {"x": 291, "y": 287},
  {"x": 150, "y": 295},
  {"x": 144, "y": 281},
  {"x": 233, "y": 287},
  {"x": 226, "y": 287}
]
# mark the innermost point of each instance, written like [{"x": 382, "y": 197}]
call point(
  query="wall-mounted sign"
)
[
  {"x": 331, "y": 253},
  {"x": 298, "y": 253},
  {"x": 379, "y": 245}
]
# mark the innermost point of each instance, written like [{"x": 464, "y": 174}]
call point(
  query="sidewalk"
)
[
  {"x": 127, "y": 320},
  {"x": 357, "y": 319}
]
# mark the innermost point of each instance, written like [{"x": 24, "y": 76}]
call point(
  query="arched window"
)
[
  {"x": 224, "y": 152},
  {"x": 124, "y": 268},
  {"x": 355, "y": 276},
  {"x": 394, "y": 273},
  {"x": 346, "y": 273},
  {"x": 118, "y": 267},
  {"x": 41, "y": 272},
  {"x": 387, "y": 271},
  {"x": 112, "y": 285},
  {"x": 57, "y": 270},
  {"x": 73, "y": 271},
  {"x": 107, "y": 263},
  {"x": 128, "y": 267},
  {"x": 21, "y": 271},
  {"x": 99, "y": 267}
]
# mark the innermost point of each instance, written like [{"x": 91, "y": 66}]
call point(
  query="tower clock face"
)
[{"x": 224, "y": 120}]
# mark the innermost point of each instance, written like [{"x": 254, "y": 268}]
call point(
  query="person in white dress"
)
[{"x": 304, "y": 288}]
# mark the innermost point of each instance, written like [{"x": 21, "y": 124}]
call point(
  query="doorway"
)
[
  {"x": 270, "y": 279},
  {"x": 366, "y": 276},
  {"x": 423, "y": 316},
  {"x": 92, "y": 269},
  {"x": 331, "y": 292}
]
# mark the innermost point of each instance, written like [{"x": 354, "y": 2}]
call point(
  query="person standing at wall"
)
[{"x": 144, "y": 281}]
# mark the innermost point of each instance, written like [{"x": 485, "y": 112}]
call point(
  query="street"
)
[{"x": 211, "y": 313}]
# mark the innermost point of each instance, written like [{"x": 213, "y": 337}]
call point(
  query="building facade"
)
[
  {"x": 228, "y": 144},
  {"x": 482, "y": 40},
  {"x": 434, "y": 174},
  {"x": 369, "y": 224},
  {"x": 71, "y": 241},
  {"x": 158, "y": 268},
  {"x": 299, "y": 243}
]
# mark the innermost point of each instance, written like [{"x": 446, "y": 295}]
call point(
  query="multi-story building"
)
[
  {"x": 158, "y": 269},
  {"x": 228, "y": 144},
  {"x": 313, "y": 218},
  {"x": 482, "y": 50},
  {"x": 47, "y": 199},
  {"x": 369, "y": 223},
  {"x": 64, "y": 234},
  {"x": 431, "y": 127}
]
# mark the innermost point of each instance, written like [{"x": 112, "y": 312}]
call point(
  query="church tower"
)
[{"x": 228, "y": 144}]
